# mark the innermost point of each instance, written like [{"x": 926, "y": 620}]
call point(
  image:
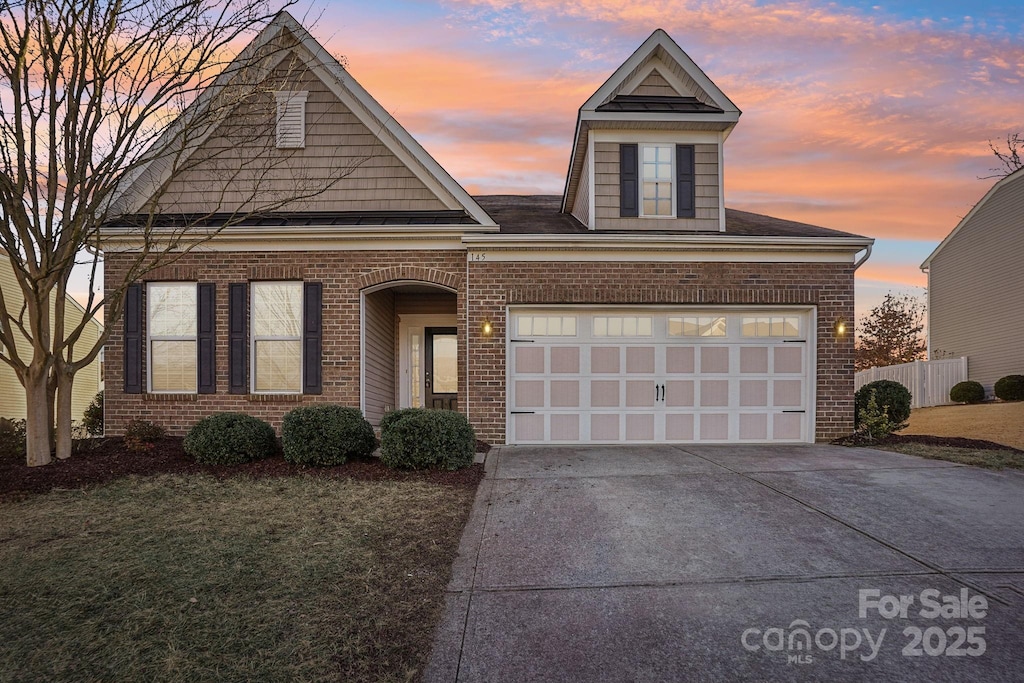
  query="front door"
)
[{"x": 441, "y": 369}]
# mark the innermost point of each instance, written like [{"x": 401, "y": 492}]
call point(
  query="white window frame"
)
[
  {"x": 671, "y": 178},
  {"x": 285, "y": 100},
  {"x": 253, "y": 286},
  {"x": 150, "y": 338}
]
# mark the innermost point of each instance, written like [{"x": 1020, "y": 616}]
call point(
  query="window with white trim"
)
[
  {"x": 546, "y": 326},
  {"x": 657, "y": 178},
  {"x": 622, "y": 326},
  {"x": 771, "y": 326},
  {"x": 276, "y": 319},
  {"x": 171, "y": 328},
  {"x": 696, "y": 326},
  {"x": 291, "y": 119}
]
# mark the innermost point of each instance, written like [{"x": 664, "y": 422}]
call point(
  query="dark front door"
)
[{"x": 441, "y": 371}]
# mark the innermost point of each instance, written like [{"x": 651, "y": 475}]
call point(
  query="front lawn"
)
[
  {"x": 999, "y": 422},
  {"x": 187, "y": 577},
  {"x": 989, "y": 458}
]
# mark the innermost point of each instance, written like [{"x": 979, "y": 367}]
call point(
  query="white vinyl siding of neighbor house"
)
[
  {"x": 87, "y": 380},
  {"x": 227, "y": 178},
  {"x": 606, "y": 191},
  {"x": 976, "y": 290}
]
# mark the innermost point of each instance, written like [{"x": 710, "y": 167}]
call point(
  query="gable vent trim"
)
[{"x": 291, "y": 119}]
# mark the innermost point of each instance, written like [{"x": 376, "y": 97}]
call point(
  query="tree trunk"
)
[
  {"x": 38, "y": 410},
  {"x": 64, "y": 416}
]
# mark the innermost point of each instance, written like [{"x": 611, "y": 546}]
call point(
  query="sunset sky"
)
[{"x": 868, "y": 117}]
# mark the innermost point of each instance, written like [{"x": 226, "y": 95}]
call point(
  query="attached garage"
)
[{"x": 654, "y": 374}]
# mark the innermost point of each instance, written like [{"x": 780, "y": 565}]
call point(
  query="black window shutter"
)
[
  {"x": 685, "y": 182},
  {"x": 312, "y": 338},
  {"x": 629, "y": 185},
  {"x": 206, "y": 338},
  {"x": 238, "y": 338},
  {"x": 133, "y": 340}
]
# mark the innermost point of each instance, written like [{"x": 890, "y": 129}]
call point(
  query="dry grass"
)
[
  {"x": 190, "y": 578},
  {"x": 989, "y": 459},
  {"x": 999, "y": 422}
]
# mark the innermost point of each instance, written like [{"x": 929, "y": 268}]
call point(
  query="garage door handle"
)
[
  {"x": 794, "y": 411},
  {"x": 522, "y": 341},
  {"x": 523, "y": 412}
]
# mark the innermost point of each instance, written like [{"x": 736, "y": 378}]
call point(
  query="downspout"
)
[{"x": 468, "y": 332}]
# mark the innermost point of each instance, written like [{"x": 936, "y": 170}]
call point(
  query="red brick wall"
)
[
  {"x": 491, "y": 286},
  {"x": 343, "y": 275}
]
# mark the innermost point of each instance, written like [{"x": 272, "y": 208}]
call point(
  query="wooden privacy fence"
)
[{"x": 928, "y": 381}]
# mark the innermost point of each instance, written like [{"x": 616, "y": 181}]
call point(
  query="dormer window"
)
[
  {"x": 657, "y": 174},
  {"x": 291, "y": 119}
]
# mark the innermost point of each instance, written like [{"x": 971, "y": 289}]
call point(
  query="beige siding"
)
[
  {"x": 343, "y": 162},
  {"x": 606, "y": 193},
  {"x": 581, "y": 204},
  {"x": 379, "y": 363},
  {"x": 976, "y": 289},
  {"x": 655, "y": 84},
  {"x": 663, "y": 61},
  {"x": 87, "y": 380}
]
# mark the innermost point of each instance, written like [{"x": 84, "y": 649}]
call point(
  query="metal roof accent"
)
[{"x": 658, "y": 103}]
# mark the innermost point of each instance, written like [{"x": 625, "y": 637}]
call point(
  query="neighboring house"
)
[
  {"x": 976, "y": 286},
  {"x": 88, "y": 380},
  {"x": 634, "y": 308}
]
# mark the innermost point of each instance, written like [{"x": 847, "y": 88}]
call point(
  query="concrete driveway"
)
[{"x": 662, "y": 563}]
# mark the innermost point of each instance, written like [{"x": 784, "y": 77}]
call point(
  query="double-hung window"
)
[
  {"x": 276, "y": 315},
  {"x": 657, "y": 179},
  {"x": 172, "y": 309}
]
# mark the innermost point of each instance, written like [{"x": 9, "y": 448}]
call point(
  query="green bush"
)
[
  {"x": 967, "y": 392},
  {"x": 12, "y": 438},
  {"x": 393, "y": 416},
  {"x": 141, "y": 435},
  {"x": 326, "y": 435},
  {"x": 892, "y": 397},
  {"x": 230, "y": 439},
  {"x": 422, "y": 438},
  {"x": 1010, "y": 388},
  {"x": 92, "y": 420},
  {"x": 875, "y": 421}
]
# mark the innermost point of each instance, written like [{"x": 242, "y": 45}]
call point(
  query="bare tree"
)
[
  {"x": 103, "y": 103},
  {"x": 1009, "y": 157},
  {"x": 891, "y": 333}
]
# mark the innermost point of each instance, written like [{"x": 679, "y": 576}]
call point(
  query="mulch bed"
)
[
  {"x": 108, "y": 459},
  {"x": 924, "y": 439}
]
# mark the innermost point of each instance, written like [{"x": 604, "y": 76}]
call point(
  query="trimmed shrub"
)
[
  {"x": 92, "y": 420},
  {"x": 140, "y": 436},
  {"x": 326, "y": 435},
  {"x": 230, "y": 439},
  {"x": 875, "y": 421},
  {"x": 12, "y": 438},
  {"x": 967, "y": 392},
  {"x": 892, "y": 397},
  {"x": 1010, "y": 388},
  {"x": 393, "y": 416},
  {"x": 422, "y": 438}
]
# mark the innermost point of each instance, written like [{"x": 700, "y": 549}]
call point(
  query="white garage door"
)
[{"x": 653, "y": 375}]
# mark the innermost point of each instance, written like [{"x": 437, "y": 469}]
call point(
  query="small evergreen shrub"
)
[
  {"x": 230, "y": 439},
  {"x": 891, "y": 396},
  {"x": 422, "y": 438},
  {"x": 967, "y": 392},
  {"x": 12, "y": 438},
  {"x": 326, "y": 435},
  {"x": 140, "y": 436},
  {"x": 92, "y": 420},
  {"x": 875, "y": 421},
  {"x": 1010, "y": 388},
  {"x": 393, "y": 416}
]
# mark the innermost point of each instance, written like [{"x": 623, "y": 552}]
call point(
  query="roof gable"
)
[
  {"x": 1014, "y": 181},
  {"x": 436, "y": 188}
]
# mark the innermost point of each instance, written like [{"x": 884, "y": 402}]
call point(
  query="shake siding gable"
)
[{"x": 236, "y": 170}]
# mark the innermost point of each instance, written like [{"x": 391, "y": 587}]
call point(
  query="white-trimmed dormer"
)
[{"x": 649, "y": 146}]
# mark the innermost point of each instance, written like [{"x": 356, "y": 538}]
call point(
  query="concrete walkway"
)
[{"x": 725, "y": 563}]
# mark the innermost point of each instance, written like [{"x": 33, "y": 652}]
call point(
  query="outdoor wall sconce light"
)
[
  {"x": 841, "y": 328},
  {"x": 487, "y": 329}
]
